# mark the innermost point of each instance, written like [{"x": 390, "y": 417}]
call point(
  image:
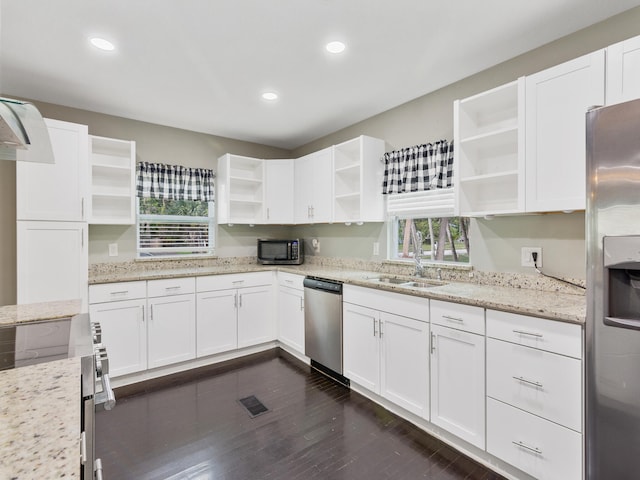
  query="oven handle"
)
[{"x": 106, "y": 398}]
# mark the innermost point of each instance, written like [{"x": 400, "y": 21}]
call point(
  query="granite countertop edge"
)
[{"x": 565, "y": 307}]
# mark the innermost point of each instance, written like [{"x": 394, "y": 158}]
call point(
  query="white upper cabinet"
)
[
  {"x": 357, "y": 180},
  {"x": 240, "y": 190},
  {"x": 490, "y": 132},
  {"x": 557, "y": 100},
  {"x": 112, "y": 181},
  {"x": 623, "y": 71},
  {"x": 314, "y": 187},
  {"x": 279, "y": 191},
  {"x": 57, "y": 191}
]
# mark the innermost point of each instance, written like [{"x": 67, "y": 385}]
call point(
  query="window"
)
[
  {"x": 175, "y": 214},
  {"x": 175, "y": 227},
  {"x": 444, "y": 239}
]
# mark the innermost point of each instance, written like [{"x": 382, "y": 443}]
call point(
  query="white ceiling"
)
[{"x": 202, "y": 64}]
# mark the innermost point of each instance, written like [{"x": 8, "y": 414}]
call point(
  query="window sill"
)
[{"x": 173, "y": 259}]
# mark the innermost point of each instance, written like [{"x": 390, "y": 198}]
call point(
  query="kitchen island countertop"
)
[
  {"x": 40, "y": 421},
  {"x": 33, "y": 312}
]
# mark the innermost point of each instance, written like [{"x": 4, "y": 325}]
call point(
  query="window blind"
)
[{"x": 160, "y": 235}]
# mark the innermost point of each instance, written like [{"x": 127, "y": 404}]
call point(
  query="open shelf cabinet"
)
[
  {"x": 112, "y": 178},
  {"x": 240, "y": 190},
  {"x": 489, "y": 132}
]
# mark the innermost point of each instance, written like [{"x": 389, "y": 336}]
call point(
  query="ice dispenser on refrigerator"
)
[{"x": 622, "y": 281}]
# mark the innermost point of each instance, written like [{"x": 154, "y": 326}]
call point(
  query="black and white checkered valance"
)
[
  {"x": 174, "y": 182},
  {"x": 419, "y": 168}
]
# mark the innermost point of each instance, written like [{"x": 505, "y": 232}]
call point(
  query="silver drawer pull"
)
[
  {"x": 120, "y": 292},
  {"x": 235, "y": 282},
  {"x": 288, "y": 281},
  {"x": 527, "y": 447},
  {"x": 530, "y": 334},
  {"x": 528, "y": 382},
  {"x": 453, "y": 318},
  {"x": 177, "y": 287}
]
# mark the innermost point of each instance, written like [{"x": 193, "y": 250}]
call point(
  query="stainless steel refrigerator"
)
[{"x": 612, "y": 428}]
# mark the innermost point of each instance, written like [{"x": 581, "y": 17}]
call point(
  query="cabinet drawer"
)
[
  {"x": 291, "y": 280},
  {"x": 233, "y": 280},
  {"x": 455, "y": 315},
  {"x": 111, "y": 292},
  {"x": 536, "y": 446},
  {"x": 171, "y": 286},
  {"x": 542, "y": 383},
  {"x": 396, "y": 303},
  {"x": 550, "y": 335}
]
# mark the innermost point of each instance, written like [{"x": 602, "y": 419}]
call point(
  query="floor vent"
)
[{"x": 254, "y": 406}]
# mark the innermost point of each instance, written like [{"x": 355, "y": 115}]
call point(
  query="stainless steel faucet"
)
[{"x": 417, "y": 250}]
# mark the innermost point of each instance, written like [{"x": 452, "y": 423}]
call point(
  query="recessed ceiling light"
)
[
  {"x": 102, "y": 44},
  {"x": 335, "y": 47},
  {"x": 270, "y": 95}
]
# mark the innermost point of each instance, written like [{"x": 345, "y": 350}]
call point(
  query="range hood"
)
[{"x": 23, "y": 134}]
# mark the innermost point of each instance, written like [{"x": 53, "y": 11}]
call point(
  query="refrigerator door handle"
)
[{"x": 633, "y": 324}]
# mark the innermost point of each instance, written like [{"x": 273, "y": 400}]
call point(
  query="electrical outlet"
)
[
  {"x": 527, "y": 256},
  {"x": 315, "y": 243},
  {"x": 376, "y": 248},
  {"x": 113, "y": 249}
]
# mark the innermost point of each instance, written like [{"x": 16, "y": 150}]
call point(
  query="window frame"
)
[{"x": 174, "y": 253}]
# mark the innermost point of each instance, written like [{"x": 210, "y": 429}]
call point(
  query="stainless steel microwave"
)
[{"x": 280, "y": 252}]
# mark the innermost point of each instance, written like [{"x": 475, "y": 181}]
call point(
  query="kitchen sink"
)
[{"x": 404, "y": 282}]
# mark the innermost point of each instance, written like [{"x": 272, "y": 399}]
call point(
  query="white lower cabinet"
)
[
  {"x": 171, "y": 332},
  {"x": 124, "y": 334},
  {"x": 120, "y": 309},
  {"x": 291, "y": 310},
  {"x": 458, "y": 372},
  {"x": 534, "y": 395},
  {"x": 216, "y": 324},
  {"x": 234, "y": 311},
  {"x": 543, "y": 449},
  {"x": 384, "y": 352}
]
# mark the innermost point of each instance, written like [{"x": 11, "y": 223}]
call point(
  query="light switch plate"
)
[
  {"x": 113, "y": 249},
  {"x": 376, "y": 248}
]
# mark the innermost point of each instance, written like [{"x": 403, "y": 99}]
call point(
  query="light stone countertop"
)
[
  {"x": 40, "y": 421},
  {"x": 32, "y": 312},
  {"x": 561, "y": 306}
]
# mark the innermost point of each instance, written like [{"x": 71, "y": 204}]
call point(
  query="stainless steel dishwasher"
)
[{"x": 323, "y": 325}]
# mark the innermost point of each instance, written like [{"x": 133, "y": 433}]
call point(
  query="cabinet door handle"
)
[
  {"x": 530, "y": 334},
  {"x": 82, "y": 208},
  {"x": 151, "y": 312},
  {"x": 301, "y": 304},
  {"x": 433, "y": 342},
  {"x": 380, "y": 328},
  {"x": 455, "y": 319},
  {"x": 267, "y": 213},
  {"x": 528, "y": 382},
  {"x": 375, "y": 333},
  {"x": 235, "y": 300},
  {"x": 527, "y": 447},
  {"x": 142, "y": 306},
  {"x": 240, "y": 300}
]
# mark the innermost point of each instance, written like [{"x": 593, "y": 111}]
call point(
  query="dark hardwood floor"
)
[{"x": 194, "y": 427}]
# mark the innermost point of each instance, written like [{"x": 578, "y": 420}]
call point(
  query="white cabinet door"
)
[
  {"x": 405, "y": 362},
  {"x": 557, "y": 100},
  {"x": 216, "y": 324},
  {"x": 279, "y": 191},
  {"x": 52, "y": 261},
  {"x": 291, "y": 318},
  {"x": 361, "y": 346},
  {"x": 56, "y": 191},
  {"x": 255, "y": 316},
  {"x": 124, "y": 334},
  {"x": 171, "y": 329},
  {"x": 313, "y": 189},
  {"x": 623, "y": 71},
  {"x": 457, "y": 383}
]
